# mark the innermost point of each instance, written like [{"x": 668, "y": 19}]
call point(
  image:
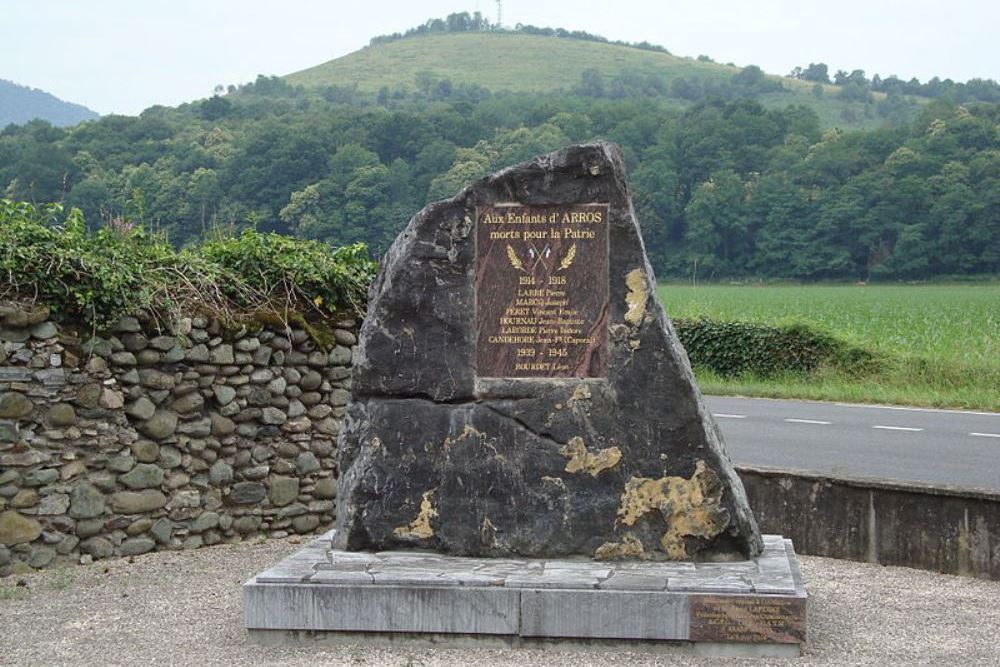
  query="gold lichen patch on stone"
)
[
  {"x": 690, "y": 507},
  {"x": 638, "y": 293},
  {"x": 487, "y": 532},
  {"x": 629, "y": 547},
  {"x": 581, "y": 393},
  {"x": 581, "y": 460},
  {"x": 420, "y": 528},
  {"x": 468, "y": 431}
]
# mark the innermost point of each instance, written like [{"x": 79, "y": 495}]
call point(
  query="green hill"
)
[
  {"x": 502, "y": 61},
  {"x": 734, "y": 177},
  {"x": 20, "y": 104},
  {"x": 498, "y": 61}
]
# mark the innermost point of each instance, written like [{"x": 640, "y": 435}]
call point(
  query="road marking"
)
[
  {"x": 725, "y": 416},
  {"x": 904, "y": 408},
  {"x": 986, "y": 435},
  {"x": 842, "y": 404},
  {"x": 898, "y": 428},
  {"x": 807, "y": 421}
]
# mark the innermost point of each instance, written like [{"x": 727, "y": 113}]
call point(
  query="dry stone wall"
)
[{"x": 163, "y": 437}]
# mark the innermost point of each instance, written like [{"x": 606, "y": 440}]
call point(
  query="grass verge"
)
[{"x": 939, "y": 344}]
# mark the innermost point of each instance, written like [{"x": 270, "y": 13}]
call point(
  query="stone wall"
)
[
  {"x": 192, "y": 435},
  {"x": 163, "y": 437}
]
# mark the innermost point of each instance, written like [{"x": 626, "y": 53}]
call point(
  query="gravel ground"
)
[{"x": 184, "y": 608}]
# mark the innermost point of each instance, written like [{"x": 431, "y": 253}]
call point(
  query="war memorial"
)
[{"x": 526, "y": 457}]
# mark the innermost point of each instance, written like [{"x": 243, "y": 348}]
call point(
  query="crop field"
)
[{"x": 940, "y": 343}]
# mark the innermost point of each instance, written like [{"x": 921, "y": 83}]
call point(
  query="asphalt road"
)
[{"x": 948, "y": 447}]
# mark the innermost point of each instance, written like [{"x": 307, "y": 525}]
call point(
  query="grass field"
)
[
  {"x": 538, "y": 64},
  {"x": 940, "y": 343}
]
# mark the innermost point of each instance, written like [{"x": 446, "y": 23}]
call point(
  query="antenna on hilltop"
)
[{"x": 499, "y": 13}]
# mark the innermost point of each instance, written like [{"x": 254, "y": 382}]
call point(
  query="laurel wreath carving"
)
[
  {"x": 567, "y": 261},
  {"x": 515, "y": 261}
]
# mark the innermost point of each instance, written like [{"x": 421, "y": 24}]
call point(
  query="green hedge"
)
[
  {"x": 737, "y": 348},
  {"x": 49, "y": 256}
]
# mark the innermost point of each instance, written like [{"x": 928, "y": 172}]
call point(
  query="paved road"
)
[{"x": 907, "y": 444}]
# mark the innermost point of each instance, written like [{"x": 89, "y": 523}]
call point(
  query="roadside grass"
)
[
  {"x": 21, "y": 584},
  {"x": 12, "y": 592},
  {"x": 940, "y": 343}
]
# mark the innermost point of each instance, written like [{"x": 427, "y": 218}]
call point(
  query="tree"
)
[
  {"x": 303, "y": 213},
  {"x": 45, "y": 173},
  {"x": 751, "y": 79},
  {"x": 780, "y": 215},
  {"x": 855, "y": 92},
  {"x": 469, "y": 165},
  {"x": 271, "y": 162},
  {"x": 204, "y": 192},
  {"x": 215, "y": 108},
  {"x": 717, "y": 229},
  {"x": 460, "y": 22},
  {"x": 817, "y": 72},
  {"x": 660, "y": 210},
  {"x": 591, "y": 83}
]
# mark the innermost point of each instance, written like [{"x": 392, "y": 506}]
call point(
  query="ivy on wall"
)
[{"x": 48, "y": 255}]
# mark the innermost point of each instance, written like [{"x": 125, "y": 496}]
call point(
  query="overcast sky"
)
[{"x": 122, "y": 56}]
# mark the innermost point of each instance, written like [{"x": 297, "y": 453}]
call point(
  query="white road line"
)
[
  {"x": 898, "y": 428},
  {"x": 907, "y": 408},
  {"x": 725, "y": 416},
  {"x": 807, "y": 421},
  {"x": 986, "y": 435}
]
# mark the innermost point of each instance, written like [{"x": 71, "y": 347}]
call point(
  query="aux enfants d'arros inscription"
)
[{"x": 542, "y": 291}]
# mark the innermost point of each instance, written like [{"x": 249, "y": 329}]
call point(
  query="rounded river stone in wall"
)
[
  {"x": 161, "y": 425},
  {"x": 137, "y": 502},
  {"x": 16, "y": 528},
  {"x": 85, "y": 501},
  {"x": 247, "y": 493},
  {"x": 14, "y": 405}
]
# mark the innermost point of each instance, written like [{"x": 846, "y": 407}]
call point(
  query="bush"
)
[
  {"x": 736, "y": 348},
  {"x": 288, "y": 270},
  {"x": 49, "y": 256}
]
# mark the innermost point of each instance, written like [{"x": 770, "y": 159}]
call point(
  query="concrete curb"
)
[{"x": 945, "y": 529}]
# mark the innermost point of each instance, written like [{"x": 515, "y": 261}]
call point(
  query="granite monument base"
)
[{"x": 745, "y": 608}]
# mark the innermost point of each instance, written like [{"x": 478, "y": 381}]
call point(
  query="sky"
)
[{"x": 122, "y": 56}]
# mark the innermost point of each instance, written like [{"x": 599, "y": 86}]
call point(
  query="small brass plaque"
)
[{"x": 750, "y": 619}]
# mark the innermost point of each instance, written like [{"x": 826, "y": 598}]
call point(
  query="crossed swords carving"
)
[{"x": 537, "y": 256}]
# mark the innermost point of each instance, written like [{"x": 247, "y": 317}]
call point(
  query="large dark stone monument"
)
[
  {"x": 519, "y": 390},
  {"x": 527, "y": 458}
]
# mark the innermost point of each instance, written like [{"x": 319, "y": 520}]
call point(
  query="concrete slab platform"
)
[{"x": 751, "y": 608}]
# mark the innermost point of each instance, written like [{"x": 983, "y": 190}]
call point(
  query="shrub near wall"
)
[
  {"x": 163, "y": 439},
  {"x": 735, "y": 348}
]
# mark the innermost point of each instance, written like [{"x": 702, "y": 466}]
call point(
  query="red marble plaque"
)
[
  {"x": 542, "y": 291},
  {"x": 749, "y": 619}
]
